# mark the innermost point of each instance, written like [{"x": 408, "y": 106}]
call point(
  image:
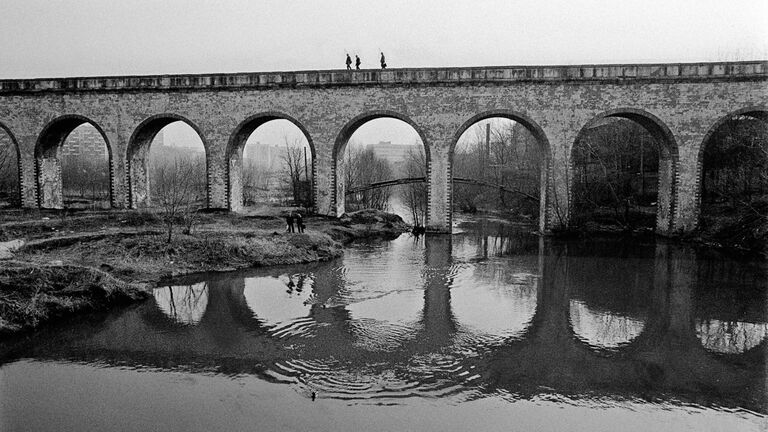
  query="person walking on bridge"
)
[
  {"x": 357, "y": 62},
  {"x": 383, "y": 61},
  {"x": 349, "y": 62}
]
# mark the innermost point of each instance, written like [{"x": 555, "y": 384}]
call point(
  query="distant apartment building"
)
[
  {"x": 395, "y": 154},
  {"x": 270, "y": 157},
  {"x": 84, "y": 141}
]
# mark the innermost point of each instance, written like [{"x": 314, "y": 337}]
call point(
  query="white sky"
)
[
  {"x": 56, "y": 38},
  {"x": 107, "y": 37}
]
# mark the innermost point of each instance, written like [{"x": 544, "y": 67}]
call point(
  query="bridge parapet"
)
[{"x": 457, "y": 75}]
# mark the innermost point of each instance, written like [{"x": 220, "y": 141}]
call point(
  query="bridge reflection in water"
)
[{"x": 487, "y": 311}]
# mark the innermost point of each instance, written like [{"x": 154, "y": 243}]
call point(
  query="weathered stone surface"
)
[{"x": 680, "y": 102}]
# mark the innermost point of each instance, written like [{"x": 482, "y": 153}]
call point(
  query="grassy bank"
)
[
  {"x": 92, "y": 260},
  {"x": 33, "y": 294},
  {"x": 744, "y": 229},
  {"x": 149, "y": 258}
]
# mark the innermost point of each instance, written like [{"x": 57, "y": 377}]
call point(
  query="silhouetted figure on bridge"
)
[
  {"x": 357, "y": 62},
  {"x": 383, "y": 61},
  {"x": 349, "y": 62}
]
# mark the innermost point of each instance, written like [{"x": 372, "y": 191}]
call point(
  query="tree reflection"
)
[
  {"x": 184, "y": 304},
  {"x": 603, "y": 329},
  {"x": 730, "y": 337}
]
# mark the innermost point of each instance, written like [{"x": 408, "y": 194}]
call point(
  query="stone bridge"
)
[{"x": 680, "y": 104}]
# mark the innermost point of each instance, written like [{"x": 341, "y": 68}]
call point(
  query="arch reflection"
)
[
  {"x": 730, "y": 337},
  {"x": 631, "y": 332},
  {"x": 603, "y": 329}
]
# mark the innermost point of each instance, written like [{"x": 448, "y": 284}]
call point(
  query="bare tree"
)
[
  {"x": 505, "y": 155},
  {"x": 176, "y": 192},
  {"x": 295, "y": 165},
  {"x": 9, "y": 176},
  {"x": 86, "y": 179},
  {"x": 612, "y": 164},
  {"x": 363, "y": 168},
  {"x": 415, "y": 194},
  {"x": 255, "y": 180}
]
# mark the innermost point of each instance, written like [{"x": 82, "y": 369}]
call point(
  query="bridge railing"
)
[
  {"x": 459, "y": 180},
  {"x": 610, "y": 72}
]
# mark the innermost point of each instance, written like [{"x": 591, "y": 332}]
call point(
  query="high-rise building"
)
[
  {"x": 393, "y": 153},
  {"x": 84, "y": 141}
]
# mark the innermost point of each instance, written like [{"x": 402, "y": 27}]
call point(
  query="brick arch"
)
[
  {"x": 337, "y": 196},
  {"x": 756, "y": 111},
  {"x": 138, "y": 150},
  {"x": 15, "y": 144},
  {"x": 668, "y": 153},
  {"x": 654, "y": 125},
  {"x": 236, "y": 145},
  {"x": 516, "y": 116},
  {"x": 545, "y": 186},
  {"x": 48, "y": 164}
]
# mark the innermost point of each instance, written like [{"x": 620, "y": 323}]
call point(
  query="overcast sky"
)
[{"x": 53, "y": 38}]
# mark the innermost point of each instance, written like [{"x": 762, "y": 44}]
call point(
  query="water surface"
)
[{"x": 488, "y": 329}]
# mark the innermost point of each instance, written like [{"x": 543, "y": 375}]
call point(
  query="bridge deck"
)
[{"x": 454, "y": 75}]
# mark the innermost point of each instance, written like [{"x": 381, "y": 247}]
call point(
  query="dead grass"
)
[
  {"x": 33, "y": 294},
  {"x": 149, "y": 258}
]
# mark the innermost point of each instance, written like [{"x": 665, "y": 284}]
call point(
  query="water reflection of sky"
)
[
  {"x": 603, "y": 329},
  {"x": 729, "y": 337},
  {"x": 280, "y": 302},
  {"x": 494, "y": 298},
  {"x": 453, "y": 321},
  {"x": 185, "y": 304}
]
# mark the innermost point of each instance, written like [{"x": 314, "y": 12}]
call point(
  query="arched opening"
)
[
  {"x": 73, "y": 162},
  {"x": 734, "y": 180},
  {"x": 381, "y": 163},
  {"x": 167, "y": 165},
  {"x": 10, "y": 190},
  {"x": 622, "y": 170},
  {"x": 271, "y": 163},
  {"x": 85, "y": 169},
  {"x": 499, "y": 167}
]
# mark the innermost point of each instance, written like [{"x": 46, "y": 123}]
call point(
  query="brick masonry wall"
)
[{"x": 438, "y": 110}]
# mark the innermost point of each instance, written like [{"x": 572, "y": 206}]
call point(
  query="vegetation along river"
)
[{"x": 491, "y": 328}]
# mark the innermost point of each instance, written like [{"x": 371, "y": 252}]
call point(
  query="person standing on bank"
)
[
  {"x": 299, "y": 223},
  {"x": 349, "y": 62},
  {"x": 383, "y": 61},
  {"x": 357, "y": 62},
  {"x": 289, "y": 220}
]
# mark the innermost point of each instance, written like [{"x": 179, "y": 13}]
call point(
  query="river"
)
[{"x": 491, "y": 328}]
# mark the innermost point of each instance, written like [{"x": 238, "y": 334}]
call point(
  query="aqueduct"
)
[{"x": 679, "y": 104}]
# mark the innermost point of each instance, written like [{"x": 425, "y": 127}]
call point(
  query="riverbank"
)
[
  {"x": 740, "y": 233},
  {"x": 31, "y": 294},
  {"x": 106, "y": 258}
]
